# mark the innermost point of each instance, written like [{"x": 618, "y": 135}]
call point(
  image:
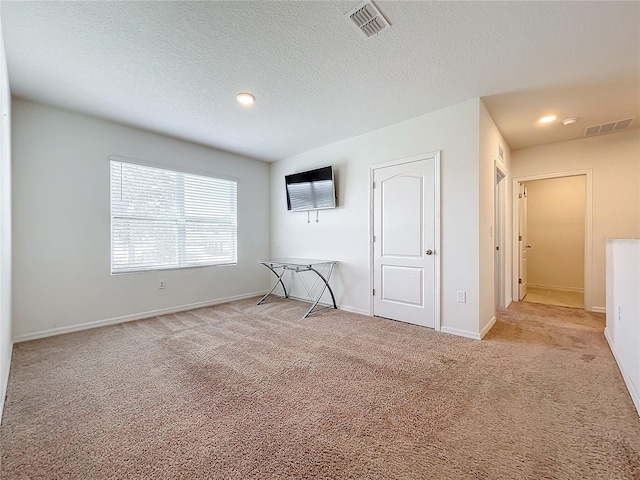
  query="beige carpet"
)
[{"x": 241, "y": 391}]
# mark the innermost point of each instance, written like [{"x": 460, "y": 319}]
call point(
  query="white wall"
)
[
  {"x": 490, "y": 140},
  {"x": 5, "y": 225},
  {"x": 555, "y": 230},
  {"x": 343, "y": 234},
  {"x": 61, "y": 224},
  {"x": 623, "y": 310},
  {"x": 615, "y": 162}
]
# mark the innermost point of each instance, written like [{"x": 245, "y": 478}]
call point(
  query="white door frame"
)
[
  {"x": 500, "y": 220},
  {"x": 436, "y": 248},
  {"x": 588, "y": 227},
  {"x": 523, "y": 240}
]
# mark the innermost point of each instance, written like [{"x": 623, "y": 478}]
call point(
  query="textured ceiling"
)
[{"x": 175, "y": 67}]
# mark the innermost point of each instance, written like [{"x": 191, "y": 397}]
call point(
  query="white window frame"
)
[{"x": 182, "y": 220}]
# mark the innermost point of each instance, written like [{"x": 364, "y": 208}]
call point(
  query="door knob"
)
[{"x": 429, "y": 252}]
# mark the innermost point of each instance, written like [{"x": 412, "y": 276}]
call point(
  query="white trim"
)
[
  {"x": 465, "y": 333},
  {"x": 437, "y": 221},
  {"x": 500, "y": 200},
  {"x": 588, "y": 243},
  {"x": 437, "y": 321},
  {"x": 129, "y": 318},
  {"x": 588, "y": 228},
  {"x": 635, "y": 395},
  {"x": 4, "y": 385},
  {"x": 400, "y": 161},
  {"x": 371, "y": 248},
  {"x": 460, "y": 333},
  {"x": 359, "y": 311},
  {"x": 508, "y": 302},
  {"x": 487, "y": 327},
  {"x": 557, "y": 288},
  {"x": 598, "y": 309}
]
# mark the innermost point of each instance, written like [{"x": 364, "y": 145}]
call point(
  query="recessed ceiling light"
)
[
  {"x": 547, "y": 119},
  {"x": 245, "y": 98},
  {"x": 569, "y": 121}
]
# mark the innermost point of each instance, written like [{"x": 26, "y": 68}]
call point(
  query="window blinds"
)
[{"x": 165, "y": 219}]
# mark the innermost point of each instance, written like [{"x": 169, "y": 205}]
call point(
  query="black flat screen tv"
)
[{"x": 311, "y": 190}]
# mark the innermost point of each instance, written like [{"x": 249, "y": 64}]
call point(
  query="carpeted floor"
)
[{"x": 241, "y": 391}]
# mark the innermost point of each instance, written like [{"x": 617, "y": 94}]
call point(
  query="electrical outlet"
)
[
  {"x": 462, "y": 296},
  {"x": 161, "y": 284}
]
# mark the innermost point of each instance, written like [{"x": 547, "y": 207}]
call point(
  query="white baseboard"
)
[
  {"x": 509, "y": 302},
  {"x": 599, "y": 309},
  {"x": 635, "y": 395},
  {"x": 557, "y": 288},
  {"x": 460, "y": 333},
  {"x": 359, "y": 311},
  {"x": 465, "y": 333},
  {"x": 487, "y": 327},
  {"x": 129, "y": 318}
]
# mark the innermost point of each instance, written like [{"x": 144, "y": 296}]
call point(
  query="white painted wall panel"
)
[
  {"x": 623, "y": 310},
  {"x": 490, "y": 142},
  {"x": 62, "y": 222},
  {"x": 343, "y": 234},
  {"x": 5, "y": 226},
  {"x": 615, "y": 162}
]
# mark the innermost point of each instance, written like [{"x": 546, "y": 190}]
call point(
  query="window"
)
[{"x": 164, "y": 219}]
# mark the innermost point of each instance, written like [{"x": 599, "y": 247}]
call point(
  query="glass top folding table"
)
[{"x": 322, "y": 268}]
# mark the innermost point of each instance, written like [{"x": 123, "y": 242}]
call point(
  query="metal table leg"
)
[
  {"x": 286, "y": 295},
  {"x": 326, "y": 285}
]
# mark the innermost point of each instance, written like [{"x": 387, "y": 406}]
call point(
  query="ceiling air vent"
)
[
  {"x": 367, "y": 19},
  {"x": 608, "y": 127}
]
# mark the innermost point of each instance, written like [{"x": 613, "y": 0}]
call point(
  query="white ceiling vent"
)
[
  {"x": 367, "y": 19},
  {"x": 608, "y": 127}
]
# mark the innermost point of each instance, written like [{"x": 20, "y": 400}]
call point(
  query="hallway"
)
[{"x": 559, "y": 298}]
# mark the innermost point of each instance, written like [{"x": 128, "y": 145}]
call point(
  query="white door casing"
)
[
  {"x": 405, "y": 247},
  {"x": 588, "y": 233},
  {"x": 522, "y": 243},
  {"x": 499, "y": 244}
]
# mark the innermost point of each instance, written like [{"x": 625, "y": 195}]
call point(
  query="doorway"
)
[
  {"x": 554, "y": 240},
  {"x": 405, "y": 240},
  {"x": 499, "y": 237}
]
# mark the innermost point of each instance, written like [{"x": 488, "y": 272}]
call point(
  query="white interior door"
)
[
  {"x": 522, "y": 243},
  {"x": 404, "y": 225}
]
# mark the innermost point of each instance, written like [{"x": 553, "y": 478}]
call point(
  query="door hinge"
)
[
  {"x": 519, "y": 238},
  {"x": 374, "y": 292},
  {"x": 374, "y": 184},
  {"x": 497, "y": 248},
  {"x": 519, "y": 195},
  {"x": 374, "y": 239},
  {"x": 519, "y": 281}
]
